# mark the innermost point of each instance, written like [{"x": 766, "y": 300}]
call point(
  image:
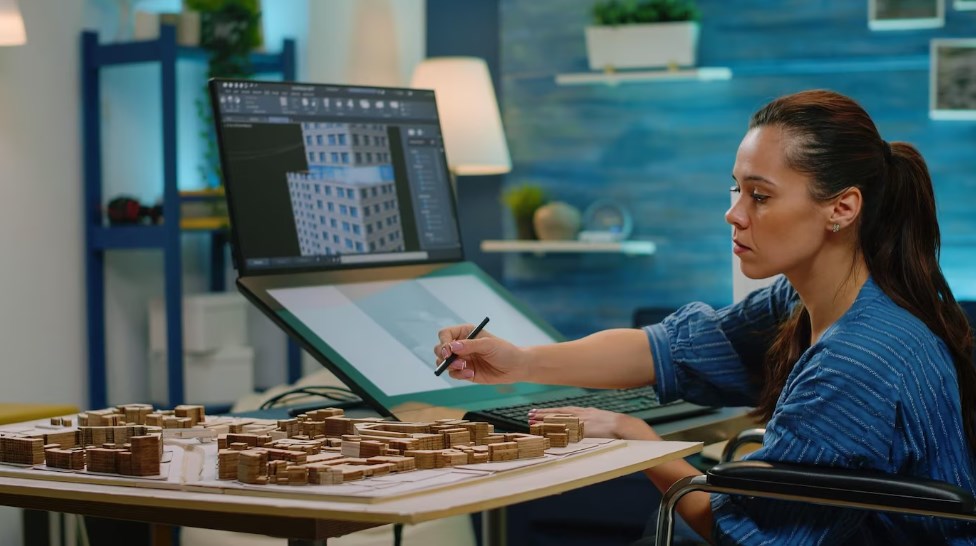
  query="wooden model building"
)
[
  {"x": 124, "y": 440},
  {"x": 324, "y": 447},
  {"x": 319, "y": 447}
]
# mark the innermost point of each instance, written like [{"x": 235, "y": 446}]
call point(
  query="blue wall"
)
[{"x": 666, "y": 149}]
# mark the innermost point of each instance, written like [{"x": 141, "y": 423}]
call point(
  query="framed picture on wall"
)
[
  {"x": 905, "y": 14},
  {"x": 964, "y": 4},
  {"x": 952, "y": 79}
]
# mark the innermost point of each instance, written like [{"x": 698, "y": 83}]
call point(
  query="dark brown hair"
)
[{"x": 834, "y": 141}]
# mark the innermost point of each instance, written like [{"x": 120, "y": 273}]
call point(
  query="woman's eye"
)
[
  {"x": 759, "y": 197},
  {"x": 734, "y": 188}
]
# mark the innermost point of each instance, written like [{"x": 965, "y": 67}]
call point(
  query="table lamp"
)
[
  {"x": 473, "y": 136},
  {"x": 11, "y": 24}
]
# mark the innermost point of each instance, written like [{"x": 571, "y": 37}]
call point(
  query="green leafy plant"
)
[
  {"x": 229, "y": 31},
  {"x": 523, "y": 201},
  {"x": 625, "y": 12}
]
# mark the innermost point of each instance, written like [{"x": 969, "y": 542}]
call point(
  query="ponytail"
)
[{"x": 903, "y": 257}]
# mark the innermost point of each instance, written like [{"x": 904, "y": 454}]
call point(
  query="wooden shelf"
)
[
  {"x": 688, "y": 74},
  {"x": 762, "y": 67},
  {"x": 629, "y": 248}
]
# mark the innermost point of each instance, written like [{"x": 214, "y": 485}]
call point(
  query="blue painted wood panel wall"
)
[{"x": 666, "y": 149}]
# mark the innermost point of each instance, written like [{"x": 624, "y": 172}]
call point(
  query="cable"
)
[
  {"x": 339, "y": 394},
  {"x": 331, "y": 393}
]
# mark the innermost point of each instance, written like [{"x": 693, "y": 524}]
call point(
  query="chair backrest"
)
[
  {"x": 840, "y": 486},
  {"x": 865, "y": 490},
  {"x": 644, "y": 316}
]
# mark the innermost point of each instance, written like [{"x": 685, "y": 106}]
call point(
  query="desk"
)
[{"x": 304, "y": 519}]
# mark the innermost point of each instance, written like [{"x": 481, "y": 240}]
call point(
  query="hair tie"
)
[{"x": 886, "y": 148}]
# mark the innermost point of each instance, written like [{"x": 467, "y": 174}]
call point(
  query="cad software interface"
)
[{"x": 323, "y": 175}]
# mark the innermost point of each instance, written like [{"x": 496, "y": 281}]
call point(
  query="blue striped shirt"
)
[{"x": 877, "y": 391}]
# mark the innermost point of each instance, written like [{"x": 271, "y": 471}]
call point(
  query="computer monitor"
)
[
  {"x": 346, "y": 236},
  {"x": 332, "y": 176}
]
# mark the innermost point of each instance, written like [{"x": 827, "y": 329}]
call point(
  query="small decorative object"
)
[
  {"x": 126, "y": 10},
  {"x": 952, "y": 89},
  {"x": 642, "y": 34},
  {"x": 523, "y": 201},
  {"x": 556, "y": 221},
  {"x": 187, "y": 25},
  {"x": 905, "y": 14},
  {"x": 606, "y": 221}
]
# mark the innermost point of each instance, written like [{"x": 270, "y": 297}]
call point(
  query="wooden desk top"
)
[{"x": 308, "y": 518}]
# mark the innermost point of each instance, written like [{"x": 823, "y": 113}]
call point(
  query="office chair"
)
[
  {"x": 644, "y": 316},
  {"x": 865, "y": 490}
]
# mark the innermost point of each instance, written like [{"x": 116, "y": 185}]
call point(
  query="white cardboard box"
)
[
  {"x": 219, "y": 377},
  {"x": 210, "y": 321}
]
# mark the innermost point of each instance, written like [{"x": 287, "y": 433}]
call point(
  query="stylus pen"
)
[{"x": 447, "y": 361}]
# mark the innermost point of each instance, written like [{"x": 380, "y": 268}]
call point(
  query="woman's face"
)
[{"x": 777, "y": 226}]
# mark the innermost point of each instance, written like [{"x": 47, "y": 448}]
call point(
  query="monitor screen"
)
[
  {"x": 330, "y": 176},
  {"x": 376, "y": 329}
]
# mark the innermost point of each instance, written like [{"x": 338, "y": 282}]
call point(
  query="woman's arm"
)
[
  {"x": 608, "y": 359},
  {"x": 695, "y": 508}
]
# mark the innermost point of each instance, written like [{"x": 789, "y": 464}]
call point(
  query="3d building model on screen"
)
[{"x": 346, "y": 202}]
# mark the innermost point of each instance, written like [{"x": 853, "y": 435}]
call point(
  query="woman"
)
[{"x": 858, "y": 357}]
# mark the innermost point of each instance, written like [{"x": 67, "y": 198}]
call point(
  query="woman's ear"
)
[{"x": 844, "y": 209}]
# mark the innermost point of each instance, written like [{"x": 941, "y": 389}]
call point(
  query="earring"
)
[{"x": 836, "y": 228}]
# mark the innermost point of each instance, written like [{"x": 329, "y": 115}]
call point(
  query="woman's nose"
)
[{"x": 735, "y": 215}]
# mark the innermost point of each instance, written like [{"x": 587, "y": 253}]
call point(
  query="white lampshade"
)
[
  {"x": 11, "y": 24},
  {"x": 473, "y": 137}
]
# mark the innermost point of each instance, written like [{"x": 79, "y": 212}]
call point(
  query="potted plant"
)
[
  {"x": 642, "y": 34},
  {"x": 523, "y": 201},
  {"x": 230, "y": 30}
]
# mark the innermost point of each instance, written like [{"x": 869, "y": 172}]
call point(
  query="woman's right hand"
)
[{"x": 485, "y": 359}]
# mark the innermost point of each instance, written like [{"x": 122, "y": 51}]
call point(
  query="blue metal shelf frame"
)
[{"x": 99, "y": 238}]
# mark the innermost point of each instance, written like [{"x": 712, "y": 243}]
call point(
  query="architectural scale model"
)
[{"x": 321, "y": 447}]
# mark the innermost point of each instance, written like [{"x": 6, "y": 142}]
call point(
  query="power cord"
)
[{"x": 339, "y": 394}]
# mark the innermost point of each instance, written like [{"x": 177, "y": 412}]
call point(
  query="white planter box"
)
[
  {"x": 220, "y": 377},
  {"x": 648, "y": 45}
]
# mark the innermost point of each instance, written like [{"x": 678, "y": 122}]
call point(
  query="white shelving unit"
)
[
  {"x": 629, "y": 248},
  {"x": 704, "y": 73}
]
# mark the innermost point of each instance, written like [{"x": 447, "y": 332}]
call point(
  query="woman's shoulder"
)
[
  {"x": 876, "y": 309},
  {"x": 876, "y": 329}
]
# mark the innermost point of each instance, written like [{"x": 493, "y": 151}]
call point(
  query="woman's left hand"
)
[{"x": 599, "y": 423}]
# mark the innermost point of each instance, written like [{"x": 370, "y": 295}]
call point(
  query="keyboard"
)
[{"x": 641, "y": 402}]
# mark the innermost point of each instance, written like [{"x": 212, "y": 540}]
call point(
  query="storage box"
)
[
  {"x": 210, "y": 321},
  {"x": 218, "y": 378}
]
